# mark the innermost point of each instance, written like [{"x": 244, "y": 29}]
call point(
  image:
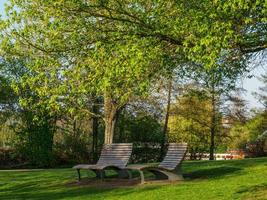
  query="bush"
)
[
  {"x": 35, "y": 140},
  {"x": 10, "y": 159},
  {"x": 145, "y": 153}
]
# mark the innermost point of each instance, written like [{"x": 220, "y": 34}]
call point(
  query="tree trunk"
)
[
  {"x": 165, "y": 128},
  {"x": 111, "y": 111},
  {"x": 95, "y": 110},
  {"x": 74, "y": 127},
  {"x": 122, "y": 127},
  {"x": 213, "y": 126}
]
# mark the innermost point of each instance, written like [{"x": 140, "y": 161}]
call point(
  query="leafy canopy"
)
[{"x": 118, "y": 46}]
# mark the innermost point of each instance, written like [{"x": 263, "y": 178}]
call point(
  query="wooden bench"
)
[
  {"x": 169, "y": 168},
  {"x": 113, "y": 156}
]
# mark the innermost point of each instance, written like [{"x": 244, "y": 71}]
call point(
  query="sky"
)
[
  {"x": 249, "y": 84},
  {"x": 253, "y": 84}
]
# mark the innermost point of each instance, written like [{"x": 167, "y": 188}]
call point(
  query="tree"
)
[
  {"x": 7, "y": 100},
  {"x": 191, "y": 120},
  {"x": 166, "y": 121},
  {"x": 120, "y": 43},
  {"x": 250, "y": 136},
  {"x": 217, "y": 83},
  {"x": 140, "y": 123},
  {"x": 236, "y": 109},
  {"x": 246, "y": 133},
  {"x": 115, "y": 71},
  {"x": 262, "y": 96},
  {"x": 34, "y": 127}
]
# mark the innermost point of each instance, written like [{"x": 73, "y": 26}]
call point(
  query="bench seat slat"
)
[
  {"x": 174, "y": 156},
  {"x": 116, "y": 154}
]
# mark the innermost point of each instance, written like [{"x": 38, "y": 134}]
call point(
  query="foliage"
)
[
  {"x": 138, "y": 127},
  {"x": 185, "y": 25},
  {"x": 7, "y": 136},
  {"x": 262, "y": 95},
  {"x": 239, "y": 137},
  {"x": 73, "y": 140},
  {"x": 35, "y": 140},
  {"x": 236, "y": 109},
  {"x": 7, "y": 100},
  {"x": 116, "y": 49},
  {"x": 190, "y": 121},
  {"x": 32, "y": 126},
  {"x": 247, "y": 135}
]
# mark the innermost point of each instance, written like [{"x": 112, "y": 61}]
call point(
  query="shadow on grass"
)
[
  {"x": 54, "y": 185},
  {"x": 253, "y": 192},
  {"x": 47, "y": 185},
  {"x": 216, "y": 172},
  {"x": 62, "y": 192},
  {"x": 253, "y": 189}
]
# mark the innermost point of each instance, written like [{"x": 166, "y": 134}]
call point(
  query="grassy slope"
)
[{"x": 246, "y": 179}]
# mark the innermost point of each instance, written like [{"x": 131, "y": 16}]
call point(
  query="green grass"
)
[{"x": 240, "y": 179}]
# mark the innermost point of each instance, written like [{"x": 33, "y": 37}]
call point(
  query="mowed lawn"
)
[{"x": 240, "y": 179}]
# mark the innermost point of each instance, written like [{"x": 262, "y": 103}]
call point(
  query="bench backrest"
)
[
  {"x": 175, "y": 155},
  {"x": 117, "y": 154}
]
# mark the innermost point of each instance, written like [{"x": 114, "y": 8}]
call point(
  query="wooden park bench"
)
[
  {"x": 113, "y": 156},
  {"x": 169, "y": 168}
]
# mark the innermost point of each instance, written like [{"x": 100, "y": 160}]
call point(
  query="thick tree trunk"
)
[
  {"x": 213, "y": 126},
  {"x": 111, "y": 111},
  {"x": 165, "y": 128}
]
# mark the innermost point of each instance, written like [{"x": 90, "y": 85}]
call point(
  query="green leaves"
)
[{"x": 120, "y": 47}]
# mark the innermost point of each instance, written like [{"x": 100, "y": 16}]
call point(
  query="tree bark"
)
[
  {"x": 213, "y": 125},
  {"x": 165, "y": 128},
  {"x": 111, "y": 112},
  {"x": 95, "y": 110}
]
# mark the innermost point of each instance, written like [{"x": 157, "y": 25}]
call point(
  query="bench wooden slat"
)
[
  {"x": 116, "y": 154},
  {"x": 174, "y": 156}
]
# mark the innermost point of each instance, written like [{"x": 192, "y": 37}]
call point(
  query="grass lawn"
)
[{"x": 240, "y": 179}]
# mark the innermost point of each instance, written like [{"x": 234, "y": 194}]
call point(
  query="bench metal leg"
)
[
  {"x": 124, "y": 173},
  {"x": 130, "y": 174},
  {"x": 142, "y": 177},
  {"x": 171, "y": 176},
  {"x": 159, "y": 175},
  {"x": 99, "y": 174}
]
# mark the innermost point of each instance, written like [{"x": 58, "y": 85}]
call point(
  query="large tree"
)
[{"x": 115, "y": 48}]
